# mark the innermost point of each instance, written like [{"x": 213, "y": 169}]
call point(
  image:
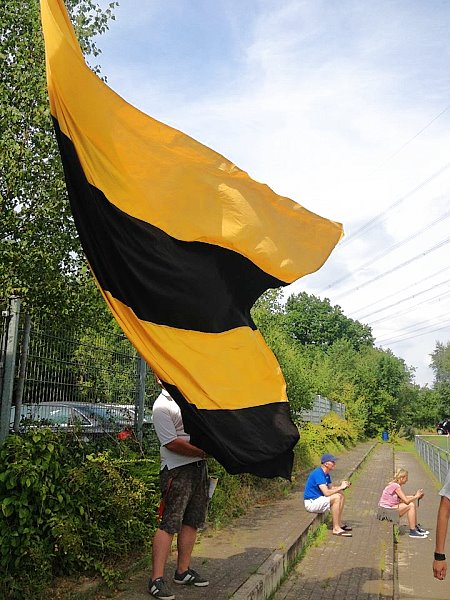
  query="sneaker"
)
[
  {"x": 415, "y": 534},
  {"x": 421, "y": 530},
  {"x": 190, "y": 577},
  {"x": 158, "y": 589}
]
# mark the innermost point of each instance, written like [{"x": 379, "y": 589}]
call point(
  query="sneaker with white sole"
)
[
  {"x": 413, "y": 533},
  {"x": 190, "y": 577},
  {"x": 158, "y": 589},
  {"x": 421, "y": 530}
]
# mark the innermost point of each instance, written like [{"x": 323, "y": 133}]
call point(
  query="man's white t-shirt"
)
[
  {"x": 168, "y": 426},
  {"x": 446, "y": 489}
]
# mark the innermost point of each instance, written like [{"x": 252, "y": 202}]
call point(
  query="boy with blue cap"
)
[{"x": 320, "y": 495}]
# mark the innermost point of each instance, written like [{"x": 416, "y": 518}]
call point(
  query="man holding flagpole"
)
[{"x": 184, "y": 488}]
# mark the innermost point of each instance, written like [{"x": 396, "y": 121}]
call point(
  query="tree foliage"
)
[
  {"x": 440, "y": 363},
  {"x": 310, "y": 320},
  {"x": 268, "y": 314},
  {"x": 63, "y": 511},
  {"x": 40, "y": 255},
  {"x": 321, "y": 351}
]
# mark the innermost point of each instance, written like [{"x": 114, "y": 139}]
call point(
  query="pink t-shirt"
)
[{"x": 389, "y": 498}]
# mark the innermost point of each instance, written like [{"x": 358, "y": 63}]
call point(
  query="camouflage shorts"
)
[{"x": 185, "y": 492}]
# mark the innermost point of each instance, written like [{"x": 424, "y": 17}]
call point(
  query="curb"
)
[{"x": 266, "y": 580}]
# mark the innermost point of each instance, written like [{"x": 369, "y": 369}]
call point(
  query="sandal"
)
[{"x": 343, "y": 534}]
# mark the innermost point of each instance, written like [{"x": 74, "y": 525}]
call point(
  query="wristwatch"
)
[{"x": 439, "y": 556}]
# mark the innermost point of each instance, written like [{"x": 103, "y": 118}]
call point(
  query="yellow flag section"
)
[{"x": 182, "y": 243}]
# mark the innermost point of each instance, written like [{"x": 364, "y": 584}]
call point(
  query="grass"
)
[
  {"x": 442, "y": 441},
  {"x": 396, "y": 534},
  {"x": 439, "y": 441}
]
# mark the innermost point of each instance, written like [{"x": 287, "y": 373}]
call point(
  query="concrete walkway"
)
[{"x": 248, "y": 560}]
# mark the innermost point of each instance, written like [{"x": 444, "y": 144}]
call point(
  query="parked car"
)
[
  {"x": 88, "y": 419},
  {"x": 443, "y": 428}
]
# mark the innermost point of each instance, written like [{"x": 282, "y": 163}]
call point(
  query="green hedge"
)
[{"x": 63, "y": 512}]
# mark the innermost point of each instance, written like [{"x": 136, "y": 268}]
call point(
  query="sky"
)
[{"x": 344, "y": 107}]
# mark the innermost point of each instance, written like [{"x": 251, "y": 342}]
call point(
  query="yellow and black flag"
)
[{"x": 182, "y": 243}]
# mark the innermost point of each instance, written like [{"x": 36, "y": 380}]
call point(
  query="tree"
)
[
  {"x": 382, "y": 378},
  {"x": 440, "y": 363},
  {"x": 40, "y": 255},
  {"x": 313, "y": 321},
  {"x": 268, "y": 314},
  {"x": 422, "y": 408}
]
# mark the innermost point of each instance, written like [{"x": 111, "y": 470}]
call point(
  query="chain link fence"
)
[{"x": 73, "y": 379}]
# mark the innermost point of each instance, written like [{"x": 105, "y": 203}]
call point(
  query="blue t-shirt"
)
[{"x": 316, "y": 478}]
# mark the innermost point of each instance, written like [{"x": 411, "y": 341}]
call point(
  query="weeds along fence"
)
[
  {"x": 82, "y": 380},
  {"x": 435, "y": 451}
]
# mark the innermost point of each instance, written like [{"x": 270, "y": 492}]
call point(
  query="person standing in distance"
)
[
  {"x": 440, "y": 560},
  {"x": 320, "y": 495},
  {"x": 184, "y": 488}
]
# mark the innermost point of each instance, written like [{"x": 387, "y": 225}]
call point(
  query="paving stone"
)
[{"x": 359, "y": 567}]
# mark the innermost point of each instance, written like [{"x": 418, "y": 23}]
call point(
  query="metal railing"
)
[{"x": 436, "y": 455}]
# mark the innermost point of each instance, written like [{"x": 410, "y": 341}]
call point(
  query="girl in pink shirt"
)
[{"x": 394, "y": 498}]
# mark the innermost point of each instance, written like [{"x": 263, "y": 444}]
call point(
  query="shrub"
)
[
  {"x": 63, "y": 512},
  {"x": 331, "y": 435}
]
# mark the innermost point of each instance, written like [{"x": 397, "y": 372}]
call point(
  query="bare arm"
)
[
  {"x": 440, "y": 566},
  {"x": 408, "y": 499},
  {"x": 330, "y": 490},
  {"x": 182, "y": 446}
]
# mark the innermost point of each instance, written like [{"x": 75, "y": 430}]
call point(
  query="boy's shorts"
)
[
  {"x": 318, "y": 505},
  {"x": 185, "y": 493}
]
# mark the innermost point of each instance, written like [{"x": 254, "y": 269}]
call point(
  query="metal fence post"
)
[
  {"x": 10, "y": 365},
  {"x": 140, "y": 397},
  {"x": 22, "y": 370}
]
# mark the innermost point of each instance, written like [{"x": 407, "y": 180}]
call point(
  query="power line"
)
[
  {"x": 400, "y": 266},
  {"x": 392, "y": 248},
  {"x": 416, "y": 335},
  {"x": 402, "y": 312},
  {"x": 378, "y": 218},
  {"x": 423, "y": 327},
  {"x": 438, "y": 318},
  {"x": 409, "y": 141},
  {"x": 404, "y": 300},
  {"x": 400, "y": 291}
]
